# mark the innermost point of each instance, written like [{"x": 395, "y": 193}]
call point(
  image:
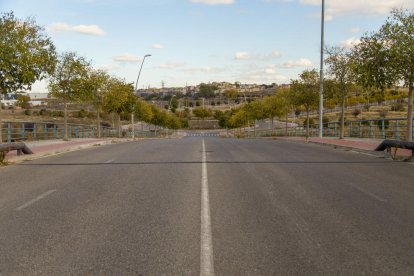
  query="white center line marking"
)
[
  {"x": 367, "y": 193},
  {"x": 27, "y": 204},
  {"x": 206, "y": 244},
  {"x": 109, "y": 161}
]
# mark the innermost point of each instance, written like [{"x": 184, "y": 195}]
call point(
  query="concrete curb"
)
[{"x": 18, "y": 159}]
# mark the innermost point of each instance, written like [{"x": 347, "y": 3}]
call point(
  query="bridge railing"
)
[
  {"x": 386, "y": 128},
  {"x": 34, "y": 131}
]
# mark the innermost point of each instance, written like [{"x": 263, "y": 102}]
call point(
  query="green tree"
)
[
  {"x": 231, "y": 94},
  {"x": 201, "y": 113},
  {"x": 23, "y": 101},
  {"x": 207, "y": 90},
  {"x": 284, "y": 103},
  {"x": 173, "y": 104},
  {"x": 97, "y": 87},
  {"x": 143, "y": 112},
  {"x": 119, "y": 99},
  {"x": 27, "y": 54},
  {"x": 340, "y": 69},
  {"x": 385, "y": 58},
  {"x": 69, "y": 82},
  {"x": 306, "y": 92}
]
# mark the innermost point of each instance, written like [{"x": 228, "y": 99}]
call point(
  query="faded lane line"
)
[
  {"x": 206, "y": 244},
  {"x": 367, "y": 193},
  {"x": 27, "y": 204},
  {"x": 109, "y": 161}
]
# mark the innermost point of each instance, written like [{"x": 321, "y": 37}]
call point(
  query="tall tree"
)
[
  {"x": 386, "y": 57},
  {"x": 398, "y": 37},
  {"x": 27, "y": 54},
  {"x": 119, "y": 99},
  {"x": 306, "y": 92},
  {"x": 98, "y": 85},
  {"x": 340, "y": 69},
  {"x": 69, "y": 82}
]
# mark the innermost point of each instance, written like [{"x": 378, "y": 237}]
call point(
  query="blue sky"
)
[{"x": 193, "y": 41}]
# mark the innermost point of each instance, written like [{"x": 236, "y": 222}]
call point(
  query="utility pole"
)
[{"x": 321, "y": 72}]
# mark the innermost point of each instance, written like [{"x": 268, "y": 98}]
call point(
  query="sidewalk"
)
[
  {"x": 52, "y": 147},
  {"x": 356, "y": 144}
]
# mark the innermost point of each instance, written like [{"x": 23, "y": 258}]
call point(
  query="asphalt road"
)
[{"x": 238, "y": 207}]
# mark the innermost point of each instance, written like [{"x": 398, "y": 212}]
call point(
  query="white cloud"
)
[
  {"x": 172, "y": 65},
  {"x": 127, "y": 58},
  {"x": 303, "y": 62},
  {"x": 350, "y": 42},
  {"x": 250, "y": 56},
  {"x": 354, "y": 30},
  {"x": 157, "y": 46},
  {"x": 82, "y": 29},
  {"x": 108, "y": 67},
  {"x": 205, "y": 69},
  {"x": 214, "y": 2},
  {"x": 243, "y": 56},
  {"x": 276, "y": 54},
  {"x": 366, "y": 7}
]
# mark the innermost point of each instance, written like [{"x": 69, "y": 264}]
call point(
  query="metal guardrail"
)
[
  {"x": 392, "y": 128},
  {"x": 34, "y": 131}
]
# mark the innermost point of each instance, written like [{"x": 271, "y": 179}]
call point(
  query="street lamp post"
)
[
  {"x": 136, "y": 87},
  {"x": 321, "y": 72}
]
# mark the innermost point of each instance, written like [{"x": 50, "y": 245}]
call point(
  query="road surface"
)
[{"x": 230, "y": 207}]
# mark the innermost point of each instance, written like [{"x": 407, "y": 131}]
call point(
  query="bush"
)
[
  {"x": 325, "y": 120},
  {"x": 198, "y": 103},
  {"x": 311, "y": 122},
  {"x": 297, "y": 111},
  {"x": 383, "y": 113},
  {"x": 398, "y": 107},
  {"x": 82, "y": 113},
  {"x": 43, "y": 112},
  {"x": 356, "y": 112},
  {"x": 386, "y": 124},
  {"x": 91, "y": 115},
  {"x": 27, "y": 112},
  {"x": 58, "y": 113}
]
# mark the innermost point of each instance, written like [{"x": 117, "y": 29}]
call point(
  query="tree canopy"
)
[{"x": 27, "y": 54}]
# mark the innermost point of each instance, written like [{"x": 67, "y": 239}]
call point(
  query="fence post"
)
[
  {"x": 383, "y": 129},
  {"x": 360, "y": 129},
  {"x": 350, "y": 129},
  {"x": 54, "y": 132},
  {"x": 45, "y": 132},
  {"x": 34, "y": 131},
  {"x": 76, "y": 132},
  {"x": 9, "y": 132},
  {"x": 370, "y": 129},
  {"x": 397, "y": 132},
  {"x": 23, "y": 132}
]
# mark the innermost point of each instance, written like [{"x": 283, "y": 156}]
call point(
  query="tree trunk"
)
[
  {"x": 307, "y": 123},
  {"x": 98, "y": 119},
  {"x": 254, "y": 127},
  {"x": 286, "y": 124},
  {"x": 342, "y": 126},
  {"x": 273, "y": 125},
  {"x": 410, "y": 113},
  {"x": 1, "y": 124},
  {"x": 65, "y": 122},
  {"x": 119, "y": 126}
]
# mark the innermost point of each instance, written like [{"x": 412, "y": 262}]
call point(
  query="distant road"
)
[{"x": 230, "y": 207}]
